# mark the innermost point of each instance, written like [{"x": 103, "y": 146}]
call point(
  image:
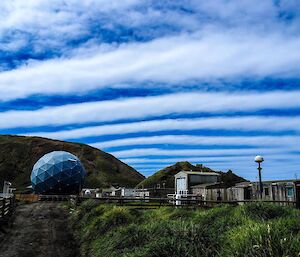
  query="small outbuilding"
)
[
  {"x": 185, "y": 180},
  {"x": 274, "y": 190}
]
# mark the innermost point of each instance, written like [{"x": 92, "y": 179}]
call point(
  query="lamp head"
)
[{"x": 258, "y": 159}]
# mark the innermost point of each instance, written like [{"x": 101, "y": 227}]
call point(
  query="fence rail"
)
[{"x": 6, "y": 208}]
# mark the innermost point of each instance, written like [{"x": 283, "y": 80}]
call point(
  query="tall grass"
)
[{"x": 248, "y": 230}]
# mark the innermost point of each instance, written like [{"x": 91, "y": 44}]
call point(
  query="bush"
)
[
  {"x": 168, "y": 213},
  {"x": 264, "y": 211},
  {"x": 260, "y": 230},
  {"x": 263, "y": 239},
  {"x": 163, "y": 238}
]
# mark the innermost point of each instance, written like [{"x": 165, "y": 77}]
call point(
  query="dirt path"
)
[{"x": 39, "y": 230}]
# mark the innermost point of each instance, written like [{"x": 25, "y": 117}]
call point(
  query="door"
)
[
  {"x": 247, "y": 193},
  {"x": 297, "y": 187},
  {"x": 273, "y": 192},
  {"x": 180, "y": 185}
]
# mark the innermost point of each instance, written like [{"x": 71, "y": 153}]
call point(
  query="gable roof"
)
[{"x": 188, "y": 172}]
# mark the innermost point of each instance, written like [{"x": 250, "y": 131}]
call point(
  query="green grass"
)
[{"x": 251, "y": 230}]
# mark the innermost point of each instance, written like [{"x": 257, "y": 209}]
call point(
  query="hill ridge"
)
[
  {"x": 166, "y": 175},
  {"x": 18, "y": 154}
]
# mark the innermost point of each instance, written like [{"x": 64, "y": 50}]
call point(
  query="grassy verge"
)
[{"x": 249, "y": 230}]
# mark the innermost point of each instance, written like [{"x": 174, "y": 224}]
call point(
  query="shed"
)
[{"x": 184, "y": 180}]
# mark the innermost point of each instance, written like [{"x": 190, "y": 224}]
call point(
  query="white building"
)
[
  {"x": 7, "y": 190},
  {"x": 128, "y": 192},
  {"x": 275, "y": 190},
  {"x": 185, "y": 180},
  {"x": 142, "y": 193}
]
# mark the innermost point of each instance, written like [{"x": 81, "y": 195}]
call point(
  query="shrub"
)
[
  {"x": 108, "y": 218},
  {"x": 87, "y": 205},
  {"x": 217, "y": 221},
  {"x": 168, "y": 213},
  {"x": 260, "y": 230},
  {"x": 268, "y": 239},
  {"x": 264, "y": 211},
  {"x": 163, "y": 238}
]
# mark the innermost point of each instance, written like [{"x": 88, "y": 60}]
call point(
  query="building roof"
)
[
  {"x": 243, "y": 184},
  {"x": 248, "y": 183},
  {"x": 111, "y": 189},
  {"x": 205, "y": 185},
  {"x": 199, "y": 173},
  {"x": 276, "y": 181}
]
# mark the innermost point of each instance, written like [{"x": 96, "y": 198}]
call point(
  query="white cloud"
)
[
  {"x": 243, "y": 123},
  {"x": 135, "y": 108},
  {"x": 140, "y": 152},
  {"x": 57, "y": 16},
  {"x": 247, "y": 161},
  {"x": 210, "y": 56},
  {"x": 203, "y": 140}
]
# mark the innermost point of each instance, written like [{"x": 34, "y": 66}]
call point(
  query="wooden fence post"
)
[{"x": 3, "y": 208}]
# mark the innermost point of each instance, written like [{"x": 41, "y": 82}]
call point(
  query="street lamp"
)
[{"x": 259, "y": 159}]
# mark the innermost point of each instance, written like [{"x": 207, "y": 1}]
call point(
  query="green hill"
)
[
  {"x": 166, "y": 175},
  {"x": 19, "y": 154}
]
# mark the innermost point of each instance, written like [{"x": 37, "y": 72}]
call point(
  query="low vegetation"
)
[{"x": 249, "y": 230}]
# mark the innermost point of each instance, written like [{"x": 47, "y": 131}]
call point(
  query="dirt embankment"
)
[{"x": 39, "y": 230}]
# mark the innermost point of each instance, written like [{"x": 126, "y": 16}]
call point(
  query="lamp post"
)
[{"x": 259, "y": 159}]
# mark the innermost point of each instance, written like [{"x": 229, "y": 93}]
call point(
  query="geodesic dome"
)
[{"x": 58, "y": 172}]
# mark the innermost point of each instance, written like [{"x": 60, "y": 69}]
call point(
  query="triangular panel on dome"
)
[
  {"x": 52, "y": 182},
  {"x": 33, "y": 180},
  {"x": 64, "y": 176},
  {"x": 47, "y": 174},
  {"x": 38, "y": 180},
  {"x": 33, "y": 173},
  {"x": 39, "y": 163},
  {"x": 53, "y": 170},
  {"x": 59, "y": 165},
  {"x": 51, "y": 161},
  {"x": 50, "y": 171},
  {"x": 42, "y": 169}
]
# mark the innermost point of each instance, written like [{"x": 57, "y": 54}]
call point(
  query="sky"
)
[{"x": 157, "y": 82}]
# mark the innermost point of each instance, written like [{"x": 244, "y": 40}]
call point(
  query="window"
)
[
  {"x": 266, "y": 191},
  {"x": 290, "y": 191}
]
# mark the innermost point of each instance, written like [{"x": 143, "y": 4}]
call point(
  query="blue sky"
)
[{"x": 156, "y": 82}]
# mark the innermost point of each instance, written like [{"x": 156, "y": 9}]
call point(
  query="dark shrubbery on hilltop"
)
[
  {"x": 19, "y": 154},
  {"x": 167, "y": 175},
  {"x": 254, "y": 230}
]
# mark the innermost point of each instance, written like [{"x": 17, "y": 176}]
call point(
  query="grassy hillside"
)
[
  {"x": 253, "y": 230},
  {"x": 19, "y": 154},
  {"x": 167, "y": 175}
]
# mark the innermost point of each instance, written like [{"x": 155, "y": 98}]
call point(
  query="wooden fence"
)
[
  {"x": 27, "y": 197},
  {"x": 159, "y": 202},
  {"x": 6, "y": 208},
  {"x": 143, "y": 202}
]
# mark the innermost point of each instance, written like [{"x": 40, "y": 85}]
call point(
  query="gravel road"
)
[{"x": 39, "y": 230}]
